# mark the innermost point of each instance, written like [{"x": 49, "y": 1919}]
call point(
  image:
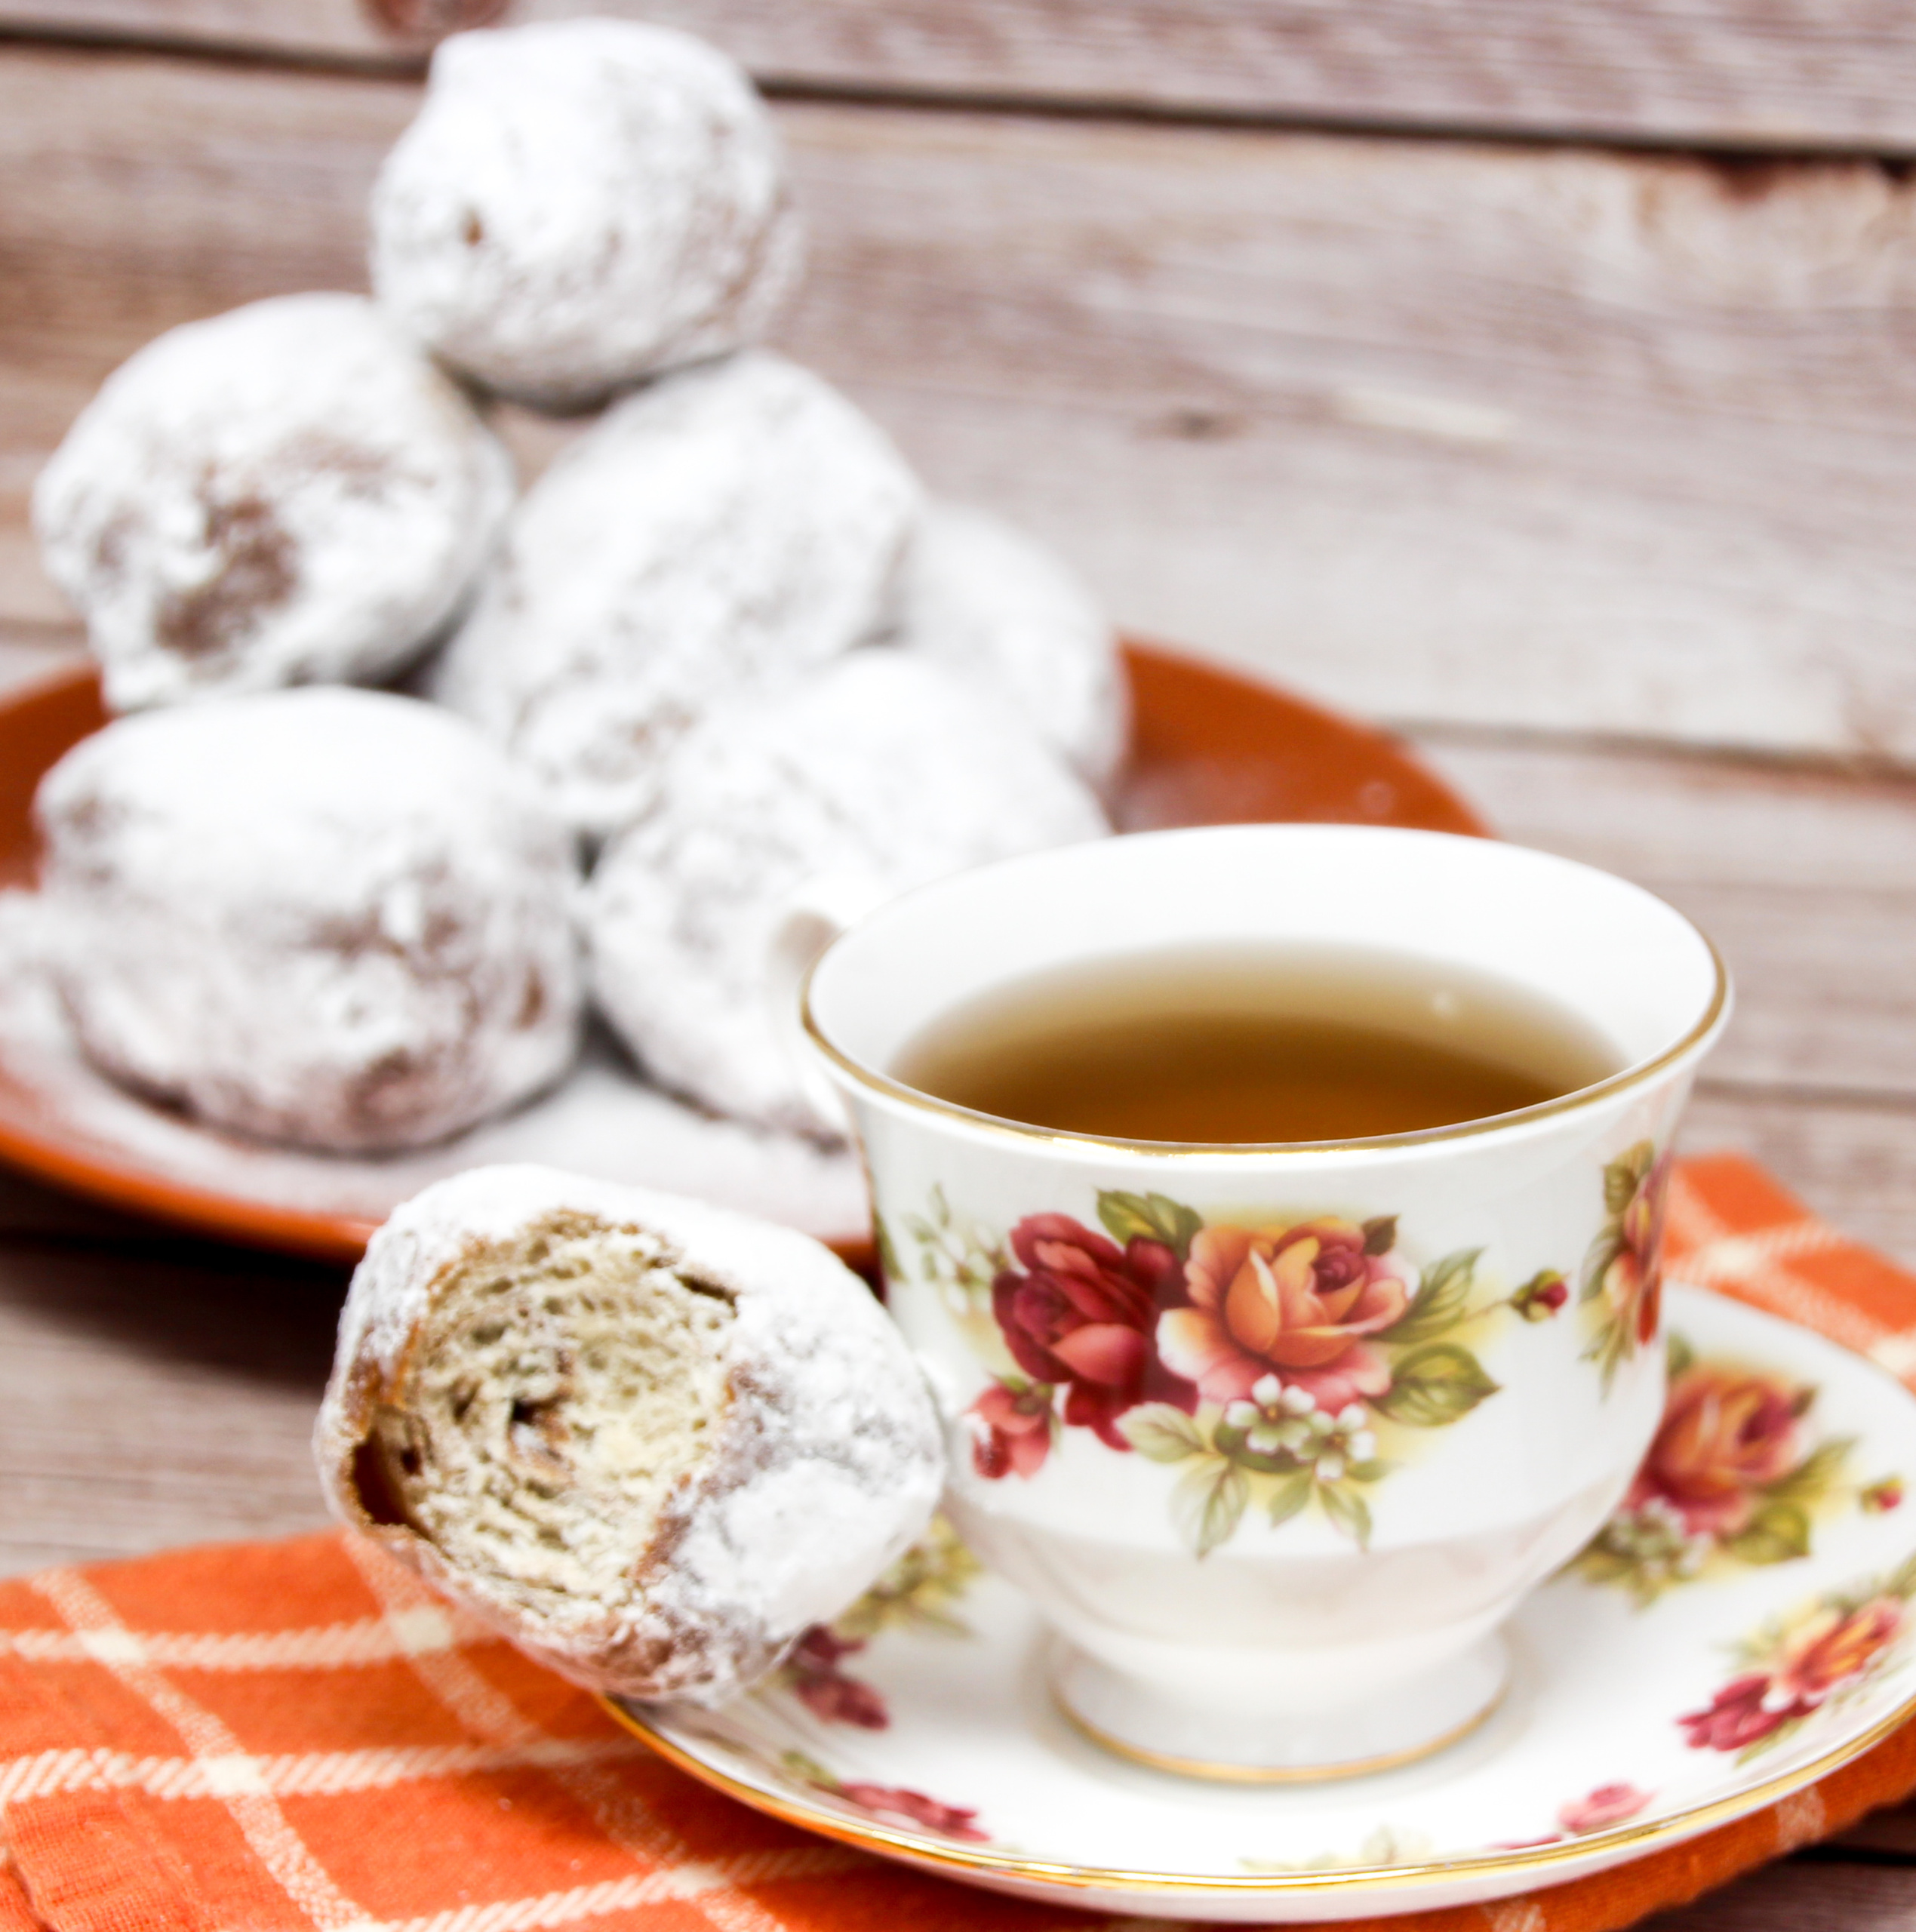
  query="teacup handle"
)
[{"x": 811, "y": 917}]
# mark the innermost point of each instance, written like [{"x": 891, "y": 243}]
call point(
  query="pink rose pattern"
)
[
  {"x": 1263, "y": 1357},
  {"x": 1608, "y": 1806},
  {"x": 893, "y": 1804}
]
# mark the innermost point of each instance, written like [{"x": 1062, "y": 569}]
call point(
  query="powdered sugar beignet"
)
[
  {"x": 290, "y": 493},
  {"x": 328, "y": 917},
  {"x": 723, "y": 530},
  {"x": 650, "y": 1441},
  {"x": 984, "y": 601},
  {"x": 580, "y": 204},
  {"x": 880, "y": 768}
]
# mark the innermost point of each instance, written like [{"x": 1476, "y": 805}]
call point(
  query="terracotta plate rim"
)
[{"x": 85, "y": 1167}]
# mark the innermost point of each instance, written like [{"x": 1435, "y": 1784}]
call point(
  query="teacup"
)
[{"x": 1269, "y": 1553}]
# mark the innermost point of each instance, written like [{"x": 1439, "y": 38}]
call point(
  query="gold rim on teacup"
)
[{"x": 884, "y": 1084}]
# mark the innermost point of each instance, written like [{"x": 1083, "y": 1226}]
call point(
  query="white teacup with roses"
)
[{"x": 1277, "y": 1437}]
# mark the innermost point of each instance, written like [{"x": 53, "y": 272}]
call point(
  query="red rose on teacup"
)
[
  {"x": 1079, "y": 1312},
  {"x": 1726, "y": 1434},
  {"x": 1012, "y": 1430},
  {"x": 1297, "y": 1302}
]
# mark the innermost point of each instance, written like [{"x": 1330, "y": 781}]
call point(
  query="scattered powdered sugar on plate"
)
[{"x": 601, "y": 1120}]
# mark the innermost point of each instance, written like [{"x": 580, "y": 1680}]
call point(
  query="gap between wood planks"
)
[
  {"x": 1720, "y": 76},
  {"x": 401, "y": 64}
]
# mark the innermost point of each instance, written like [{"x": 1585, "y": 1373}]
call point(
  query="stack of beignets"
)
[
  {"x": 290, "y": 493},
  {"x": 724, "y": 637},
  {"x": 720, "y": 532},
  {"x": 881, "y": 771},
  {"x": 581, "y": 204}
]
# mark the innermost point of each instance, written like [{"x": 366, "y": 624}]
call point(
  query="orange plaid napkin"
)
[{"x": 298, "y": 1735}]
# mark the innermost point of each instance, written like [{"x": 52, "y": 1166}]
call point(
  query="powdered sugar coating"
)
[
  {"x": 581, "y": 204},
  {"x": 722, "y": 530},
  {"x": 881, "y": 770},
  {"x": 984, "y": 601},
  {"x": 328, "y": 917},
  {"x": 289, "y": 493},
  {"x": 827, "y": 1462}
]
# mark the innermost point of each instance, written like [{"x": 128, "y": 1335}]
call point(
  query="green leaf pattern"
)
[{"x": 1155, "y": 1216}]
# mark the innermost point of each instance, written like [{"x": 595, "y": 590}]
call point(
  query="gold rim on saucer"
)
[{"x": 1639, "y": 1839}]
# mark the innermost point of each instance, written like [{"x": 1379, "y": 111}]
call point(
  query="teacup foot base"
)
[{"x": 1414, "y": 1721}]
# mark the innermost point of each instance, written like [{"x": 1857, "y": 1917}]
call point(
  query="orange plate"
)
[{"x": 1210, "y": 748}]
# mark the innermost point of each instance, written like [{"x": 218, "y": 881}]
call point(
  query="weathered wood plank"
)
[
  {"x": 1818, "y": 74},
  {"x": 147, "y": 1403},
  {"x": 28, "y": 652},
  {"x": 1889, "y": 1834},
  {"x": 1854, "y": 1164},
  {"x": 1806, "y": 880},
  {"x": 1553, "y": 439}
]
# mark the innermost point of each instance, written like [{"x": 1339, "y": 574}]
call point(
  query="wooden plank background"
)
[{"x": 1544, "y": 437}]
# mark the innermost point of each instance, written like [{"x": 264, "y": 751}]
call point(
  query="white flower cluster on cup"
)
[{"x": 1277, "y": 1419}]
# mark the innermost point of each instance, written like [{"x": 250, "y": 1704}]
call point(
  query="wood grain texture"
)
[
  {"x": 1891, "y": 1835},
  {"x": 1559, "y": 440},
  {"x": 145, "y": 1402},
  {"x": 1805, "y": 879},
  {"x": 1854, "y": 1164},
  {"x": 29, "y": 652},
  {"x": 1563, "y": 440},
  {"x": 1773, "y": 73}
]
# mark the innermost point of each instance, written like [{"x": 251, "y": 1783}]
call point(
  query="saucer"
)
[
  {"x": 1208, "y": 747},
  {"x": 1744, "y": 1624}
]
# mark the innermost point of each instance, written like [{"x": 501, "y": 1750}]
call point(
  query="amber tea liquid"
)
[{"x": 1254, "y": 1044}]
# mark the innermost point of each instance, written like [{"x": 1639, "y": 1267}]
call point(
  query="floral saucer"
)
[{"x": 1744, "y": 1624}]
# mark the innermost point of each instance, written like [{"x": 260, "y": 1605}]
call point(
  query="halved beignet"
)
[{"x": 650, "y": 1441}]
